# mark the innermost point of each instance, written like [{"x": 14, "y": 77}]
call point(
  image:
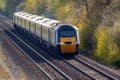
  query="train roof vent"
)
[
  {"x": 45, "y": 21},
  {"x": 28, "y": 15},
  {"x": 24, "y": 14},
  {"x": 20, "y": 13},
  {"x": 39, "y": 19},
  {"x": 53, "y": 25},
  {"x": 32, "y": 17}
]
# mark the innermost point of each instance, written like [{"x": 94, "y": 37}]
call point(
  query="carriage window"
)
[{"x": 67, "y": 33}]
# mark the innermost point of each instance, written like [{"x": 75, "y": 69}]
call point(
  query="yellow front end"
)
[{"x": 68, "y": 44}]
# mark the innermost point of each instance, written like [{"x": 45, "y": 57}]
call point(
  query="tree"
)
[{"x": 10, "y": 6}]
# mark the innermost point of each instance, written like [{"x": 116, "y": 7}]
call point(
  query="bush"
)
[
  {"x": 108, "y": 44},
  {"x": 66, "y": 12},
  {"x": 114, "y": 46},
  {"x": 102, "y": 37},
  {"x": 86, "y": 35},
  {"x": 115, "y": 33},
  {"x": 20, "y": 7},
  {"x": 114, "y": 55},
  {"x": 2, "y": 5},
  {"x": 31, "y": 6}
]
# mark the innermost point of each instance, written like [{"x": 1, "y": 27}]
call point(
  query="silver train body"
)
[{"x": 62, "y": 37}]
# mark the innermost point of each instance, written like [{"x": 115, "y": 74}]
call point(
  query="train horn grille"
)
[{"x": 68, "y": 42}]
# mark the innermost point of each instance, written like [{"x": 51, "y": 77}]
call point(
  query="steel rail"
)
[
  {"x": 77, "y": 68},
  {"x": 62, "y": 73},
  {"x": 27, "y": 55},
  {"x": 87, "y": 64}
]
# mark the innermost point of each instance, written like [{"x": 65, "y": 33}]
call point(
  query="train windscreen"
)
[{"x": 67, "y": 33}]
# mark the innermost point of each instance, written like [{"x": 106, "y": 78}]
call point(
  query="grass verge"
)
[{"x": 4, "y": 74}]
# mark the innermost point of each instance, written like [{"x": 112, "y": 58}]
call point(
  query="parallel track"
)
[
  {"x": 42, "y": 56},
  {"x": 73, "y": 66},
  {"x": 92, "y": 72},
  {"x": 101, "y": 68},
  {"x": 33, "y": 51},
  {"x": 107, "y": 76}
]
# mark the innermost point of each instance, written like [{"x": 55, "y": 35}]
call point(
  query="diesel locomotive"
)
[{"x": 62, "y": 37}]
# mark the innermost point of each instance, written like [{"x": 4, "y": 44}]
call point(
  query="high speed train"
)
[{"x": 54, "y": 34}]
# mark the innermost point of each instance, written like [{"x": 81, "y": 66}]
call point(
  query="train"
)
[{"x": 56, "y": 35}]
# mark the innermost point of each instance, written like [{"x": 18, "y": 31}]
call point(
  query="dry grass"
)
[
  {"x": 2, "y": 56},
  {"x": 22, "y": 77},
  {"x": 4, "y": 74}
]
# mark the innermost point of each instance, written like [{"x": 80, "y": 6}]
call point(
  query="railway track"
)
[
  {"x": 81, "y": 66},
  {"x": 99, "y": 67},
  {"x": 26, "y": 49}
]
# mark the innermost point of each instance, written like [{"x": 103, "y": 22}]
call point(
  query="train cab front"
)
[{"x": 68, "y": 39}]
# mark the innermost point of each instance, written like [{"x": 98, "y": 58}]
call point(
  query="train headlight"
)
[{"x": 60, "y": 42}]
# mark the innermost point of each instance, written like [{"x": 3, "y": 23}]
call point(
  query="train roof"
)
[
  {"x": 22, "y": 14},
  {"x": 50, "y": 23}
]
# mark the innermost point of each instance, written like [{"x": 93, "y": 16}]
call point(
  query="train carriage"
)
[{"x": 56, "y": 34}]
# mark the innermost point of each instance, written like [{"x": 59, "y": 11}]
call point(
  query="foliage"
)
[
  {"x": 114, "y": 46},
  {"x": 9, "y": 6},
  {"x": 68, "y": 12},
  {"x": 37, "y": 6},
  {"x": 88, "y": 23},
  {"x": 86, "y": 31},
  {"x": 108, "y": 44},
  {"x": 2, "y": 5},
  {"x": 113, "y": 55},
  {"x": 31, "y": 6},
  {"x": 102, "y": 37},
  {"x": 21, "y": 6},
  {"x": 115, "y": 33}
]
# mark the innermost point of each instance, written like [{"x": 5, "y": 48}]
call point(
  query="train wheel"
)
[
  {"x": 48, "y": 45},
  {"x": 58, "y": 52},
  {"x": 54, "y": 50},
  {"x": 77, "y": 52}
]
